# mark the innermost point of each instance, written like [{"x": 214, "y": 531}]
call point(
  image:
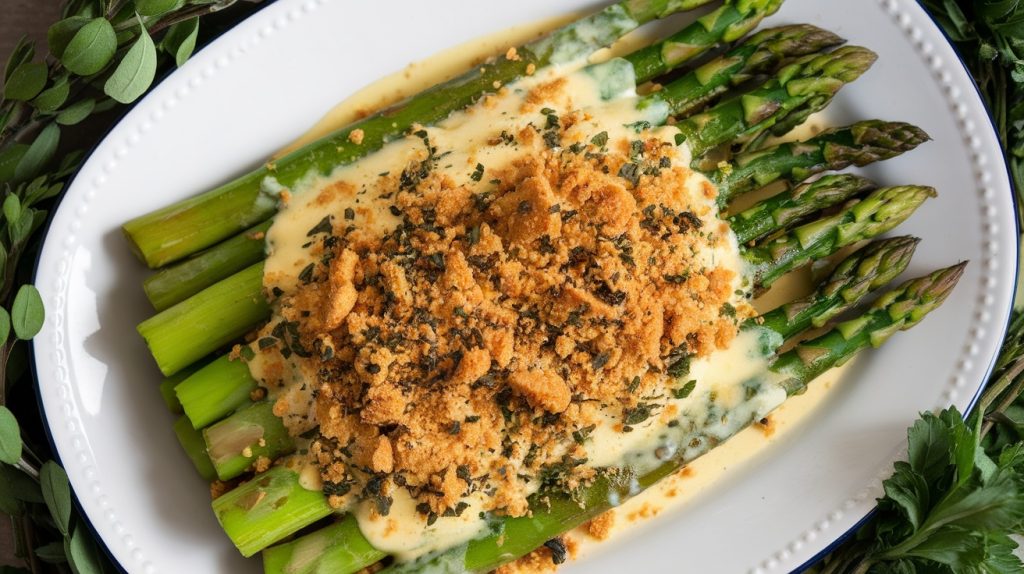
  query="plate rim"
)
[{"x": 270, "y": 5}]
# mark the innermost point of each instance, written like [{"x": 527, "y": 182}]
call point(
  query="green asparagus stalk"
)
[
  {"x": 178, "y": 282},
  {"x": 897, "y": 310},
  {"x": 761, "y": 53},
  {"x": 236, "y": 442},
  {"x": 858, "y": 144},
  {"x": 784, "y": 125},
  {"x": 192, "y": 442},
  {"x": 786, "y": 208},
  {"x": 877, "y": 213},
  {"x": 339, "y": 547},
  {"x": 169, "y": 384},
  {"x": 268, "y": 508},
  {"x": 861, "y": 273},
  {"x": 728, "y": 23},
  {"x": 212, "y": 318},
  {"x": 794, "y": 85},
  {"x": 174, "y": 232},
  {"x": 216, "y": 390},
  {"x": 554, "y": 513}
]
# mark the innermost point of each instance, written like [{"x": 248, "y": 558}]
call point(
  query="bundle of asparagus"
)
[{"x": 209, "y": 288}]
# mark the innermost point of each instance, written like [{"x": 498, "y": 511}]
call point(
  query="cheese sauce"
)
[{"x": 729, "y": 381}]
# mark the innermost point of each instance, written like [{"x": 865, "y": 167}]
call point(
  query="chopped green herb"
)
[
  {"x": 306, "y": 275},
  {"x": 685, "y": 390}
]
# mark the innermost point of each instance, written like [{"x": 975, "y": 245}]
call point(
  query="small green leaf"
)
[
  {"x": 18, "y": 485},
  {"x": 12, "y": 207},
  {"x": 53, "y": 97},
  {"x": 59, "y": 35},
  {"x": 909, "y": 491},
  {"x": 27, "y": 313},
  {"x": 17, "y": 488},
  {"x": 76, "y": 112},
  {"x": 57, "y": 494},
  {"x": 9, "y": 504},
  {"x": 157, "y": 7},
  {"x": 5, "y": 323},
  {"x": 929, "y": 445},
  {"x": 22, "y": 52},
  {"x": 52, "y": 553},
  {"x": 136, "y": 71},
  {"x": 39, "y": 153},
  {"x": 26, "y": 82},
  {"x": 180, "y": 40},
  {"x": 91, "y": 48},
  {"x": 10, "y": 437},
  {"x": 9, "y": 160},
  {"x": 82, "y": 552}
]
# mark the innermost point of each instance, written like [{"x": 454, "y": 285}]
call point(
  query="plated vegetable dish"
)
[{"x": 442, "y": 337}]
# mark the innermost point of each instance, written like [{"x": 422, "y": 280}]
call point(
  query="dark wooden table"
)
[{"x": 26, "y": 18}]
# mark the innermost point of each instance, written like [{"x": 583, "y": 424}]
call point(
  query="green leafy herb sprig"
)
[
  {"x": 989, "y": 35},
  {"x": 953, "y": 504},
  {"x": 100, "y": 55}
]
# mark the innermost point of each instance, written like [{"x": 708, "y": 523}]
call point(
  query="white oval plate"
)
[{"x": 278, "y": 72}]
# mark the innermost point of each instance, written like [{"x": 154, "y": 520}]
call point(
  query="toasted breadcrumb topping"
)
[
  {"x": 601, "y": 526},
  {"x": 475, "y": 347}
]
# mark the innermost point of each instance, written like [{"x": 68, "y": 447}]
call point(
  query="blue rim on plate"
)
[{"x": 840, "y": 539}]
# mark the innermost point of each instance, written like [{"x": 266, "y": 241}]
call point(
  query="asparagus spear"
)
[
  {"x": 897, "y": 310},
  {"x": 866, "y": 270},
  {"x": 178, "y": 282},
  {"x": 268, "y": 508},
  {"x": 808, "y": 78},
  {"x": 174, "y": 232},
  {"x": 237, "y": 442},
  {"x": 877, "y": 213},
  {"x": 553, "y": 513},
  {"x": 761, "y": 52},
  {"x": 210, "y": 319},
  {"x": 858, "y": 144},
  {"x": 169, "y": 384},
  {"x": 191, "y": 441},
  {"x": 788, "y": 207},
  {"x": 215, "y": 390},
  {"x": 728, "y": 23},
  {"x": 339, "y": 547}
]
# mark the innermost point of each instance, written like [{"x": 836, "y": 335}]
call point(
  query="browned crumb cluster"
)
[
  {"x": 476, "y": 346},
  {"x": 601, "y": 526}
]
